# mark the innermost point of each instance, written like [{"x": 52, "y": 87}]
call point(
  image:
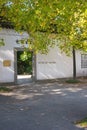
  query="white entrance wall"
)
[
  {"x": 57, "y": 65},
  {"x": 51, "y": 66},
  {"x": 7, "y": 54}
]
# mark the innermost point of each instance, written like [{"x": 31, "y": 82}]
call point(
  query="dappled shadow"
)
[
  {"x": 37, "y": 89},
  {"x": 32, "y": 90},
  {"x": 57, "y": 103}
]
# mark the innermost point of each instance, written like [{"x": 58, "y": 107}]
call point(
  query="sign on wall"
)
[{"x": 7, "y": 63}]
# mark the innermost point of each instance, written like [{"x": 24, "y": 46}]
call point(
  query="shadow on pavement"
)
[{"x": 46, "y": 106}]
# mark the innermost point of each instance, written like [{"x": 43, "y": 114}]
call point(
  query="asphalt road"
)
[{"x": 43, "y": 106}]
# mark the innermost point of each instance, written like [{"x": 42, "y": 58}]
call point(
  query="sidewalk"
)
[{"x": 43, "y": 106}]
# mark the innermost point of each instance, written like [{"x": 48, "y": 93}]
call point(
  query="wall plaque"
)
[
  {"x": 7, "y": 63},
  {"x": 46, "y": 62}
]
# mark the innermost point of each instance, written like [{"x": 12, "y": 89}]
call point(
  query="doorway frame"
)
[{"x": 15, "y": 64}]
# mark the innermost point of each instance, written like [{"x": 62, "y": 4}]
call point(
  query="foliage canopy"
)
[{"x": 46, "y": 19}]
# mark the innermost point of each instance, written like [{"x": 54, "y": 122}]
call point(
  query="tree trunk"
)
[{"x": 74, "y": 64}]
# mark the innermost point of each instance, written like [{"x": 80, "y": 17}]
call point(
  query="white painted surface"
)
[
  {"x": 50, "y": 66},
  {"x": 80, "y": 71},
  {"x": 57, "y": 65},
  {"x": 7, "y": 53},
  {"x": 54, "y": 65}
]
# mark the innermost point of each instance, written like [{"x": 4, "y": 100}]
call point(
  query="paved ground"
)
[
  {"x": 23, "y": 79},
  {"x": 43, "y": 106}
]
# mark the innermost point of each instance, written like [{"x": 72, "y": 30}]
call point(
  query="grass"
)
[
  {"x": 72, "y": 81},
  {"x": 82, "y": 123},
  {"x": 5, "y": 89}
]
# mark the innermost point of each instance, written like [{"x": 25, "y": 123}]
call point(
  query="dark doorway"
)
[
  {"x": 24, "y": 62},
  {"x": 24, "y": 66}
]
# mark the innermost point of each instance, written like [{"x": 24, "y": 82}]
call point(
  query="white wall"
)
[
  {"x": 57, "y": 65},
  {"x": 80, "y": 71},
  {"x": 53, "y": 65},
  {"x": 7, "y": 53}
]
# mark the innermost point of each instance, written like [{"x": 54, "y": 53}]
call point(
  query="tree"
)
[
  {"x": 65, "y": 20},
  {"x": 2, "y": 42}
]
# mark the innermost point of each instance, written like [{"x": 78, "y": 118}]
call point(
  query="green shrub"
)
[
  {"x": 72, "y": 81},
  {"x": 5, "y": 89},
  {"x": 82, "y": 123},
  {"x": 24, "y": 62}
]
